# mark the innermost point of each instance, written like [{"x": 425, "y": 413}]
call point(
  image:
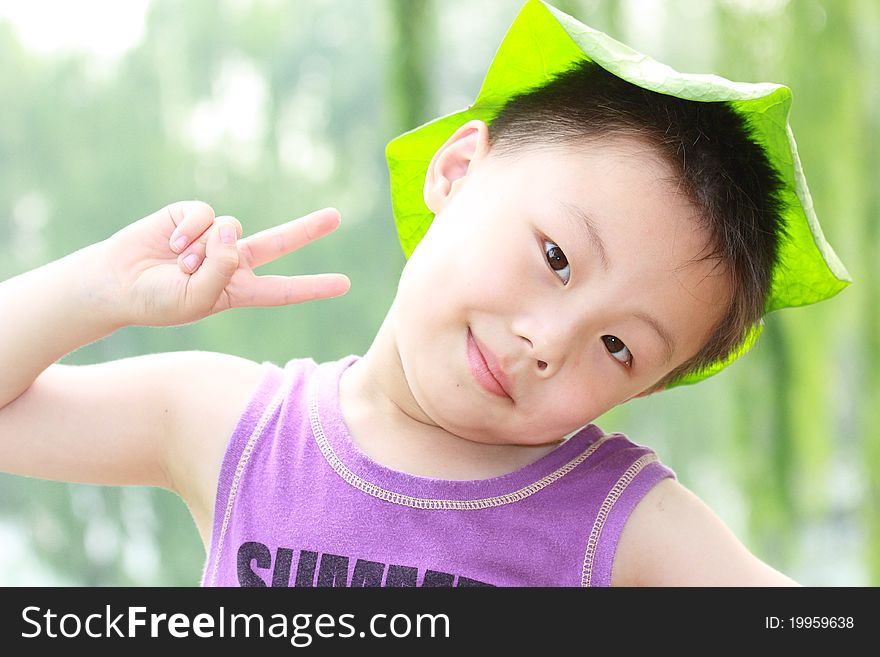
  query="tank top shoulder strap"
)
[
  {"x": 261, "y": 414},
  {"x": 637, "y": 469}
]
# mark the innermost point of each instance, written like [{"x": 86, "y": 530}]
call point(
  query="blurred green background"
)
[{"x": 270, "y": 109}]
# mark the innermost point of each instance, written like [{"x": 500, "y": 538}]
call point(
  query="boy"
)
[{"x": 586, "y": 247}]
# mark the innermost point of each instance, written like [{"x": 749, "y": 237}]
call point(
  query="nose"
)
[
  {"x": 548, "y": 341},
  {"x": 540, "y": 364}
]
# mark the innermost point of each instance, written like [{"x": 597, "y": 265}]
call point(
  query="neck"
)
[{"x": 388, "y": 425}]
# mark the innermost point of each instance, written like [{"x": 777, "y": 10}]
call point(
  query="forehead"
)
[
  {"x": 617, "y": 193},
  {"x": 619, "y": 184},
  {"x": 590, "y": 166}
]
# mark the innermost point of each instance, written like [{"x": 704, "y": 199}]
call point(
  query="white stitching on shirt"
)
[
  {"x": 421, "y": 503},
  {"x": 612, "y": 497},
  {"x": 239, "y": 470}
]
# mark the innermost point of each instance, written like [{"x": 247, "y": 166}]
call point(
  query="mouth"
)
[{"x": 486, "y": 369}]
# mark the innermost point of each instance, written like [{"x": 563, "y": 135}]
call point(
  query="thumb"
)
[{"x": 221, "y": 261}]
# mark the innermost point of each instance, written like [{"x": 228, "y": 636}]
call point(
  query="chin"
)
[{"x": 455, "y": 409}]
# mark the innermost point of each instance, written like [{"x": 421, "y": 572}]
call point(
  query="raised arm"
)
[{"x": 157, "y": 420}]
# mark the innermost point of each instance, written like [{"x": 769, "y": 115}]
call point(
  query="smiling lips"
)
[{"x": 486, "y": 368}]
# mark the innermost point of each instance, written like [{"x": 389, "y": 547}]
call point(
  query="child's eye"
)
[
  {"x": 557, "y": 261},
  {"x": 617, "y": 349}
]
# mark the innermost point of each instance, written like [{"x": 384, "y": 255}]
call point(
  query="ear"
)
[{"x": 453, "y": 161}]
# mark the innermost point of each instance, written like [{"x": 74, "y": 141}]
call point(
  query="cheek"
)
[
  {"x": 590, "y": 388},
  {"x": 473, "y": 272},
  {"x": 429, "y": 296},
  {"x": 561, "y": 411},
  {"x": 501, "y": 272}
]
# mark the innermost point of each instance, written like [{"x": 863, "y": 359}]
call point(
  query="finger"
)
[
  {"x": 272, "y": 243},
  {"x": 233, "y": 221},
  {"x": 286, "y": 290},
  {"x": 191, "y": 219},
  {"x": 194, "y": 254},
  {"x": 220, "y": 263}
]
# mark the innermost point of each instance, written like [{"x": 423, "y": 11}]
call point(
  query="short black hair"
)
[{"x": 719, "y": 166}]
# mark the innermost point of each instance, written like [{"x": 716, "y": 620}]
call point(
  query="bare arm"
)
[
  {"x": 673, "y": 539},
  {"x": 155, "y": 420},
  {"x": 49, "y": 312},
  {"x": 159, "y": 420},
  {"x": 55, "y": 420}
]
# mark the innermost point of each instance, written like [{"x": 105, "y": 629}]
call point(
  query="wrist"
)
[{"x": 94, "y": 291}]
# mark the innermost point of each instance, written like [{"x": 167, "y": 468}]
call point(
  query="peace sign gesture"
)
[{"x": 182, "y": 263}]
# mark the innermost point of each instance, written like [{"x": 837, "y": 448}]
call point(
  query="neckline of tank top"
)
[{"x": 352, "y": 464}]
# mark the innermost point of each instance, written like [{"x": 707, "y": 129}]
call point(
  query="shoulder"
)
[
  {"x": 206, "y": 394},
  {"x": 672, "y": 538}
]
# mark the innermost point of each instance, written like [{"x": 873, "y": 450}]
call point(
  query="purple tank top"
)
[{"x": 298, "y": 504}]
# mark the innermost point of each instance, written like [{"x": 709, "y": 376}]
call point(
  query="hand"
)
[{"x": 182, "y": 263}]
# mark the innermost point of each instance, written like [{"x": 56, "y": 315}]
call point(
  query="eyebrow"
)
[
  {"x": 668, "y": 342},
  {"x": 583, "y": 220}
]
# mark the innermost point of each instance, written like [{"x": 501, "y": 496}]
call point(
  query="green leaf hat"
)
[{"x": 543, "y": 42}]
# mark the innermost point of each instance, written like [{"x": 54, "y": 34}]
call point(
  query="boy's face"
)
[{"x": 510, "y": 277}]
